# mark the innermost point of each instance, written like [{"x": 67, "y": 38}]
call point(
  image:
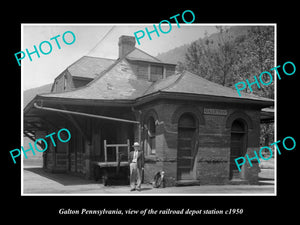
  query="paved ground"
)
[{"x": 36, "y": 181}]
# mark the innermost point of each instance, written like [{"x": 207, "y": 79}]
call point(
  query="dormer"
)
[
  {"x": 144, "y": 65},
  {"x": 80, "y": 73},
  {"x": 150, "y": 70}
]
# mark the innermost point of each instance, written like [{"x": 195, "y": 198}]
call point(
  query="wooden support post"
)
[
  {"x": 117, "y": 153},
  {"x": 117, "y": 159},
  {"x": 128, "y": 148},
  {"x": 140, "y": 132},
  {"x": 105, "y": 151}
]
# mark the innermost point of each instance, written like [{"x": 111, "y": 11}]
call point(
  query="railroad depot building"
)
[{"x": 187, "y": 126}]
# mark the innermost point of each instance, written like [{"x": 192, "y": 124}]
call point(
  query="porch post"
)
[{"x": 88, "y": 166}]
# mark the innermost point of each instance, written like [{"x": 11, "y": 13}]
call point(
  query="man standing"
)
[{"x": 136, "y": 162}]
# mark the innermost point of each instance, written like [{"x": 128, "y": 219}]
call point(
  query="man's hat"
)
[{"x": 136, "y": 144}]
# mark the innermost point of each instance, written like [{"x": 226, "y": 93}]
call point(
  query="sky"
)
[{"x": 98, "y": 40}]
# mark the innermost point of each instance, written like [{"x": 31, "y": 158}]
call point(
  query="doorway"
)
[
  {"x": 238, "y": 146},
  {"x": 186, "y": 147}
]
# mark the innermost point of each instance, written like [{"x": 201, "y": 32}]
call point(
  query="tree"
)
[
  {"x": 199, "y": 59},
  {"x": 212, "y": 59},
  {"x": 231, "y": 56},
  {"x": 256, "y": 54},
  {"x": 226, "y": 54}
]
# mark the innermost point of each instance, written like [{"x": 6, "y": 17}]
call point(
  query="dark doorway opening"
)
[
  {"x": 186, "y": 147},
  {"x": 238, "y": 146}
]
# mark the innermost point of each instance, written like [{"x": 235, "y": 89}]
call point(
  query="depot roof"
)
[
  {"x": 119, "y": 83},
  {"x": 116, "y": 82}
]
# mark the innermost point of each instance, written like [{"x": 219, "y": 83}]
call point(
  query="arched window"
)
[{"x": 150, "y": 136}]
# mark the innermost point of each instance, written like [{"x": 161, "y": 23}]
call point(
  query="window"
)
[
  {"x": 156, "y": 72},
  {"x": 142, "y": 70},
  {"x": 150, "y": 137}
]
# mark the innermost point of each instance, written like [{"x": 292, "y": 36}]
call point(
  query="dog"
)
[{"x": 159, "y": 180}]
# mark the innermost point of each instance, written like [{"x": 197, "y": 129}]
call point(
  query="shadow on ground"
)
[
  {"x": 266, "y": 177},
  {"x": 64, "y": 179}
]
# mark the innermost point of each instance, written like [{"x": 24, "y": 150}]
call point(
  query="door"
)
[
  {"x": 237, "y": 146},
  {"x": 185, "y": 147}
]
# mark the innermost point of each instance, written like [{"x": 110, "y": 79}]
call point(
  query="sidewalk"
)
[{"x": 36, "y": 181}]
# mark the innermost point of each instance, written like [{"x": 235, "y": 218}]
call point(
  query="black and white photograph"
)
[
  {"x": 171, "y": 98},
  {"x": 151, "y": 112}
]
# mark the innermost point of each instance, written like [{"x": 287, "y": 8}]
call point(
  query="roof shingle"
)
[
  {"x": 89, "y": 67},
  {"x": 137, "y": 54},
  {"x": 119, "y": 82},
  {"x": 190, "y": 83}
]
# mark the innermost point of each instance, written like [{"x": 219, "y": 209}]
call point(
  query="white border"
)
[
  {"x": 157, "y": 194},
  {"x": 22, "y": 114}
]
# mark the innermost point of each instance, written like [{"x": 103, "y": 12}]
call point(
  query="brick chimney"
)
[{"x": 126, "y": 44}]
